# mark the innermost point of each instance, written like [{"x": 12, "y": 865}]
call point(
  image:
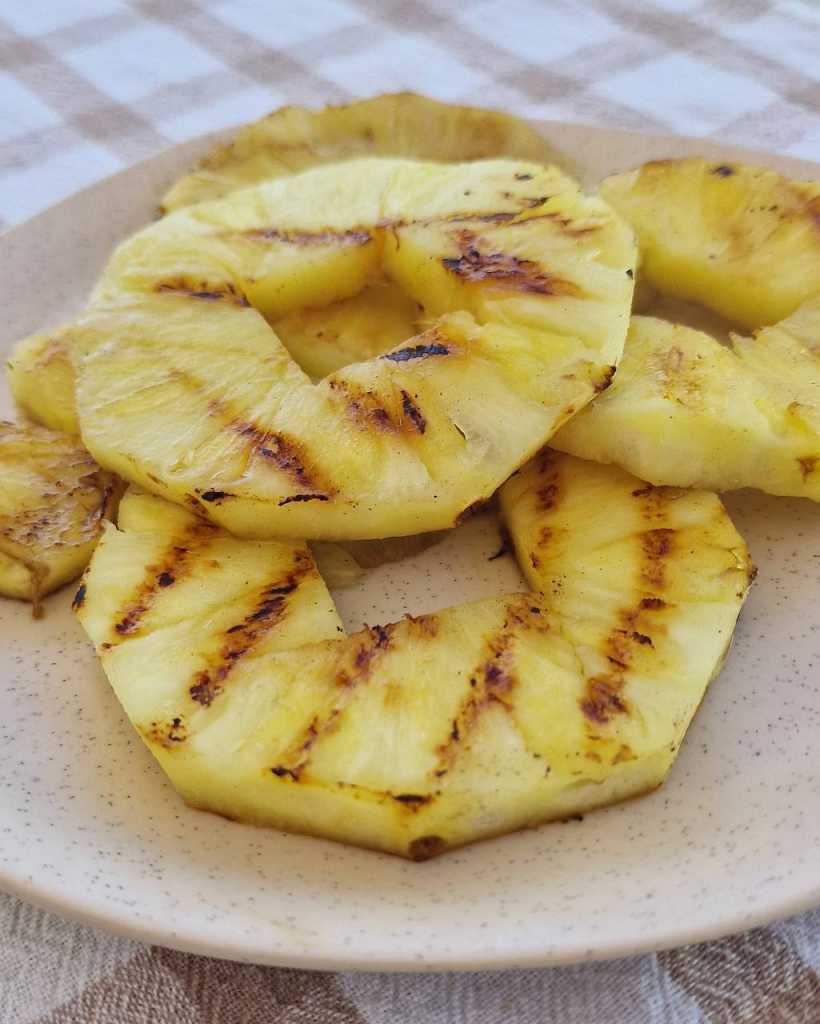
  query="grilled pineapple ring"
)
[
  {"x": 292, "y": 139},
  {"x": 523, "y": 286},
  {"x": 684, "y": 409},
  {"x": 435, "y": 731}
]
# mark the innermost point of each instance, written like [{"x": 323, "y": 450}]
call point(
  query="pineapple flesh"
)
[
  {"x": 741, "y": 240},
  {"x": 423, "y": 735},
  {"x": 41, "y": 378},
  {"x": 293, "y": 139},
  {"x": 687, "y": 411},
  {"x": 53, "y": 499},
  {"x": 184, "y": 389}
]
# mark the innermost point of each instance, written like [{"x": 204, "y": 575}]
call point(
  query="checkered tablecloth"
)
[{"x": 89, "y": 86}]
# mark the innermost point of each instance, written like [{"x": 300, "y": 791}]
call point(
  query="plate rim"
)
[{"x": 94, "y": 912}]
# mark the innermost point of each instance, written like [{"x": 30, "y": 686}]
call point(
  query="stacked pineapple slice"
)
[
  {"x": 326, "y": 339},
  {"x": 522, "y": 286},
  {"x": 435, "y": 731}
]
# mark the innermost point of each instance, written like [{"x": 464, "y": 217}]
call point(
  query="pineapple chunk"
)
[
  {"x": 741, "y": 240},
  {"x": 292, "y": 139},
  {"x": 440, "y": 730},
  {"x": 41, "y": 377},
  {"x": 185, "y": 390},
  {"x": 52, "y": 502},
  {"x": 687, "y": 411}
]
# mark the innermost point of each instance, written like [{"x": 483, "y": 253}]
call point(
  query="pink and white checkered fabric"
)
[{"x": 90, "y": 86}]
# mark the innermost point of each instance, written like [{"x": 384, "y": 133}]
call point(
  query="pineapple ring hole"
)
[
  {"x": 386, "y": 580},
  {"x": 323, "y": 339}
]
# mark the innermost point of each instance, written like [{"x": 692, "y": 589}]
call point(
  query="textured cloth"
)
[{"x": 89, "y": 86}]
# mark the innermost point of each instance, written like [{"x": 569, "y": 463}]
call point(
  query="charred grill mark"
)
[
  {"x": 547, "y": 496},
  {"x": 404, "y": 355},
  {"x": 304, "y": 497},
  {"x": 274, "y": 447},
  {"x": 494, "y": 678},
  {"x": 356, "y": 670},
  {"x": 203, "y": 290},
  {"x": 364, "y": 406},
  {"x": 377, "y": 640},
  {"x": 603, "y": 700},
  {"x": 656, "y": 545},
  {"x": 175, "y": 564},
  {"x": 166, "y": 734},
  {"x": 412, "y": 412},
  {"x": 605, "y": 379},
  {"x": 412, "y": 800},
  {"x": 241, "y": 638},
  {"x": 503, "y": 270},
  {"x": 279, "y": 451},
  {"x": 426, "y": 847},
  {"x": 351, "y": 236}
]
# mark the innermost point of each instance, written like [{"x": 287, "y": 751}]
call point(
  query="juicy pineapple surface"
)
[
  {"x": 53, "y": 499},
  {"x": 524, "y": 286},
  {"x": 435, "y": 731},
  {"x": 41, "y": 377},
  {"x": 294, "y": 138},
  {"x": 685, "y": 410},
  {"x": 741, "y": 240}
]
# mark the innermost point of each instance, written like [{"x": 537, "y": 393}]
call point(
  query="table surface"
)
[{"x": 91, "y": 86}]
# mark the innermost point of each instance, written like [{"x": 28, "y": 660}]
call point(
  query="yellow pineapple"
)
[
  {"x": 687, "y": 411},
  {"x": 741, "y": 240},
  {"x": 422, "y": 735},
  {"x": 53, "y": 499},
  {"x": 41, "y": 377},
  {"x": 524, "y": 286},
  {"x": 406, "y": 125}
]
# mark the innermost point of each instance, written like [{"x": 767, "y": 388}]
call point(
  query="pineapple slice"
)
[
  {"x": 687, "y": 411},
  {"x": 292, "y": 139},
  {"x": 41, "y": 378},
  {"x": 435, "y": 731},
  {"x": 53, "y": 500},
  {"x": 741, "y": 240},
  {"x": 186, "y": 391}
]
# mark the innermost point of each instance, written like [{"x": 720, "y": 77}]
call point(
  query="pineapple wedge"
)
[
  {"x": 186, "y": 391},
  {"x": 292, "y": 139},
  {"x": 435, "y": 731},
  {"x": 687, "y": 411},
  {"x": 53, "y": 499},
  {"x": 741, "y": 240},
  {"x": 41, "y": 378}
]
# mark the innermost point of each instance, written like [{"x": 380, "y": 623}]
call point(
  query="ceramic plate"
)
[{"x": 90, "y": 828}]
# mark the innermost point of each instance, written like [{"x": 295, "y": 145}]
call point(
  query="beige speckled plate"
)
[{"x": 89, "y": 827}]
